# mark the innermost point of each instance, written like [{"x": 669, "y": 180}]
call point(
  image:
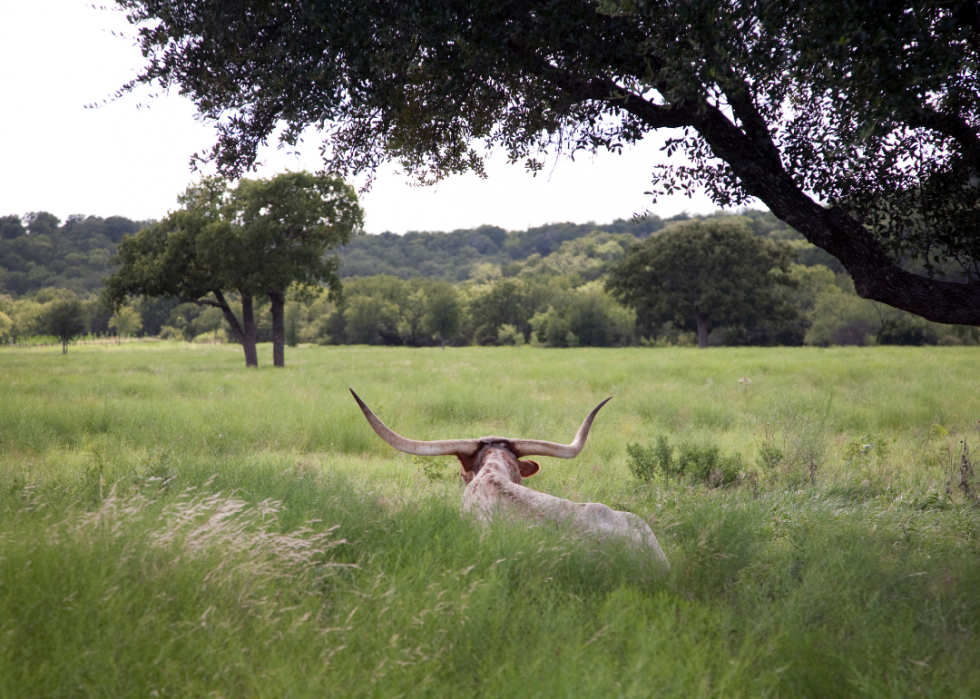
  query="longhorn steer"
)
[{"x": 493, "y": 472}]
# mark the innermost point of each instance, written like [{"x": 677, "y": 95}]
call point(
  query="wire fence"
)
[{"x": 87, "y": 340}]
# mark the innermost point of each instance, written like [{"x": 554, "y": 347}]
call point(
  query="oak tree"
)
[
  {"x": 442, "y": 312},
  {"x": 856, "y": 123},
  {"x": 65, "y": 319},
  {"x": 698, "y": 274},
  {"x": 255, "y": 239},
  {"x": 279, "y": 234}
]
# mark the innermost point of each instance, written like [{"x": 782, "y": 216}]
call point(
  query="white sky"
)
[{"x": 131, "y": 157}]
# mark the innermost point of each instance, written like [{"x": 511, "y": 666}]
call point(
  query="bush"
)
[
  {"x": 770, "y": 456},
  {"x": 840, "y": 318},
  {"x": 216, "y": 337},
  {"x": 585, "y": 317},
  {"x": 169, "y": 332},
  {"x": 908, "y": 330},
  {"x": 644, "y": 462},
  {"x": 641, "y": 462},
  {"x": 703, "y": 463},
  {"x": 509, "y": 335}
]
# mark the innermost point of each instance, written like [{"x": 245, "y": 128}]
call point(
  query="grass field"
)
[{"x": 172, "y": 524}]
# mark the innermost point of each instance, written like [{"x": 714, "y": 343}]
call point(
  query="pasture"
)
[{"x": 172, "y": 524}]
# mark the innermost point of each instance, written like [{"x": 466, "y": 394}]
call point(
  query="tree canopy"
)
[
  {"x": 39, "y": 251},
  {"x": 699, "y": 273},
  {"x": 126, "y": 322},
  {"x": 855, "y": 123},
  {"x": 65, "y": 319},
  {"x": 258, "y": 239},
  {"x": 455, "y": 255}
]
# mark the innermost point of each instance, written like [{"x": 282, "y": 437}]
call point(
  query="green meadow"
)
[{"x": 174, "y": 525}]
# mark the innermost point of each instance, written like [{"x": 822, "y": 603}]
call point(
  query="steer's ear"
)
[
  {"x": 467, "y": 471},
  {"x": 528, "y": 468}
]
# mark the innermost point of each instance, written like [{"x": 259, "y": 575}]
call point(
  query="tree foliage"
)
[
  {"x": 700, "y": 273},
  {"x": 454, "y": 256},
  {"x": 257, "y": 239},
  {"x": 126, "y": 322},
  {"x": 46, "y": 253},
  {"x": 65, "y": 319},
  {"x": 587, "y": 317},
  {"x": 872, "y": 107}
]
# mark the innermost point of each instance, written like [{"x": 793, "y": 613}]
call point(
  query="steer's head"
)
[{"x": 474, "y": 454}]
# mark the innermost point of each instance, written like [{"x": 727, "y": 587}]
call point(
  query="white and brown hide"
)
[{"x": 494, "y": 473}]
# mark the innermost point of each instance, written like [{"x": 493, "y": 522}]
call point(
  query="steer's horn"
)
[
  {"x": 536, "y": 447},
  {"x": 441, "y": 447}
]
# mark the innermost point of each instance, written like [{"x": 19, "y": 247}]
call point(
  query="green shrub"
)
[
  {"x": 509, "y": 335},
  {"x": 644, "y": 462},
  {"x": 770, "y": 456},
  {"x": 168, "y": 332},
  {"x": 216, "y": 337},
  {"x": 641, "y": 462},
  {"x": 907, "y": 329},
  {"x": 703, "y": 464}
]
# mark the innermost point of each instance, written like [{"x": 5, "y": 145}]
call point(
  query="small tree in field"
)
[
  {"x": 65, "y": 319},
  {"x": 126, "y": 322},
  {"x": 703, "y": 273},
  {"x": 281, "y": 231},
  {"x": 255, "y": 239}
]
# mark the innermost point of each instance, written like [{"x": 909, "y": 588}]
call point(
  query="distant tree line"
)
[
  {"x": 566, "y": 298},
  {"x": 59, "y": 315},
  {"x": 459, "y": 256},
  {"x": 38, "y": 251},
  {"x": 456, "y": 255}
]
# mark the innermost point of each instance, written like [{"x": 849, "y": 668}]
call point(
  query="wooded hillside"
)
[
  {"x": 453, "y": 256},
  {"x": 39, "y": 252},
  {"x": 462, "y": 255}
]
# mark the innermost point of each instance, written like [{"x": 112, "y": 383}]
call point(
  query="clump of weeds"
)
[{"x": 700, "y": 462}]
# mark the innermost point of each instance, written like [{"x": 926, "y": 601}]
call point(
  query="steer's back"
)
[{"x": 490, "y": 495}]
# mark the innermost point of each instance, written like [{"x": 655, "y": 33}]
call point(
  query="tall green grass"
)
[{"x": 172, "y": 524}]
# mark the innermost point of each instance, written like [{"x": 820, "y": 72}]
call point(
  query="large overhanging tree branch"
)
[
  {"x": 858, "y": 124},
  {"x": 221, "y": 303}
]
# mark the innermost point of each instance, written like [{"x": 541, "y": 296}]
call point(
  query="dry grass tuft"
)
[{"x": 235, "y": 540}]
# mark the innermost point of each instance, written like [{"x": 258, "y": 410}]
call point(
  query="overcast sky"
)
[{"x": 130, "y": 157}]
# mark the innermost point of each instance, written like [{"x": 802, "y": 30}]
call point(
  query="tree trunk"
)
[
  {"x": 278, "y": 328},
  {"x": 245, "y": 335},
  {"x": 703, "y": 328},
  {"x": 750, "y": 151},
  {"x": 64, "y": 346},
  {"x": 248, "y": 331},
  {"x": 756, "y": 162}
]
